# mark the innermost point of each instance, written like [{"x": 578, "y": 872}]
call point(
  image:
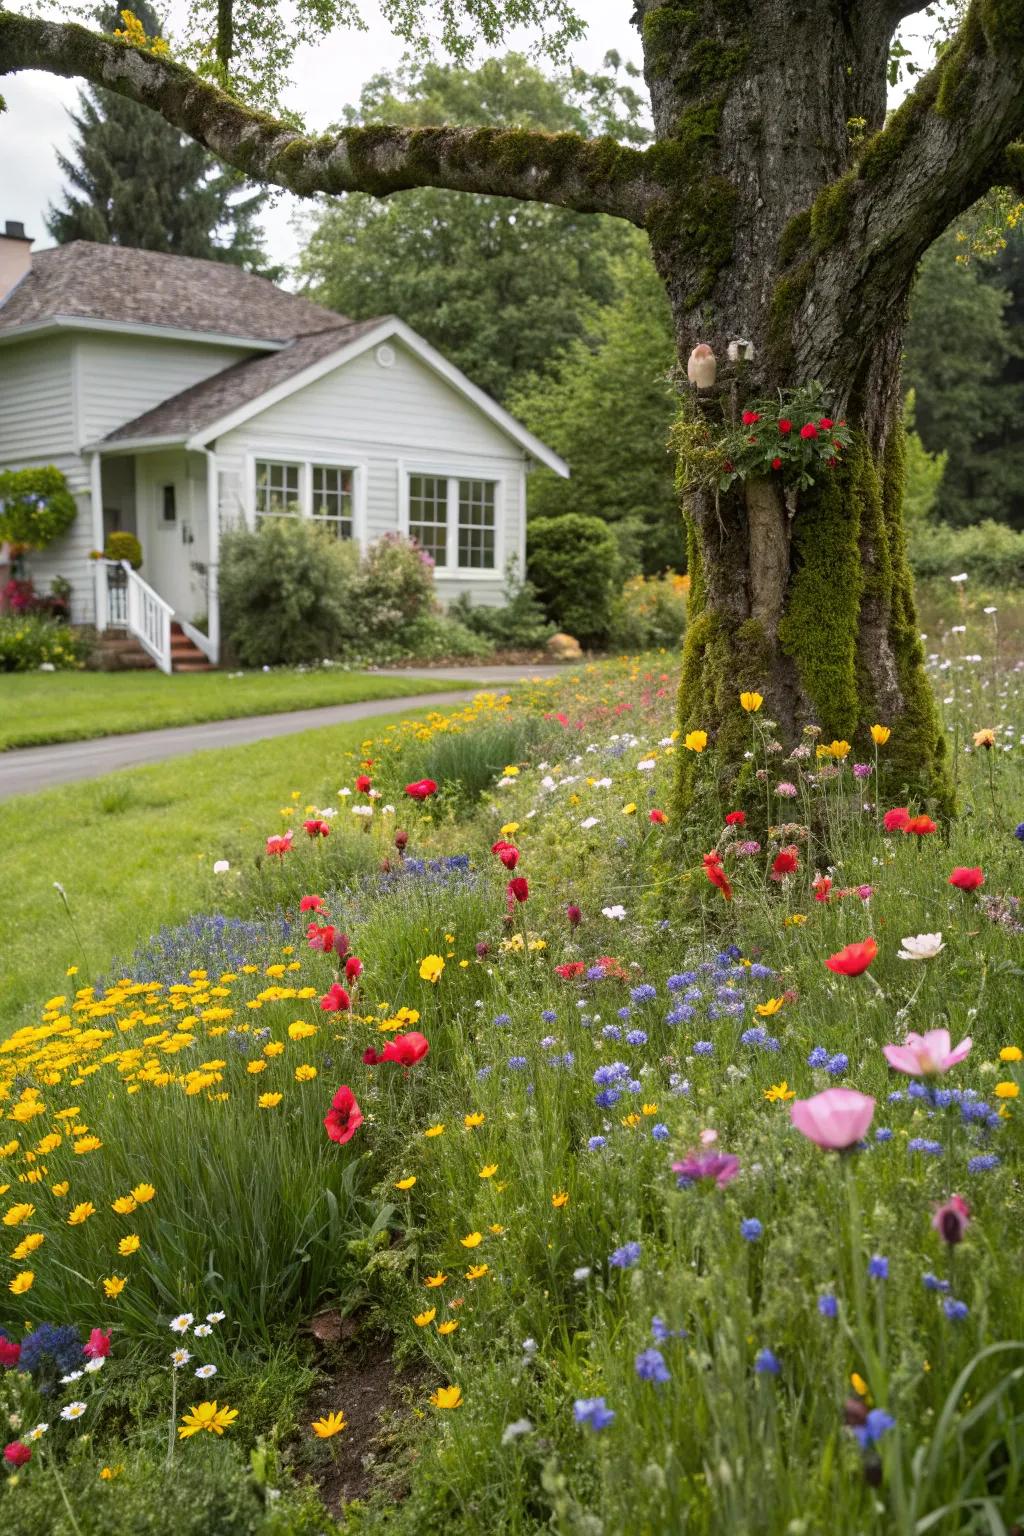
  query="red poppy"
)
[
  {"x": 612, "y": 967},
  {"x": 353, "y": 968},
  {"x": 406, "y": 1049},
  {"x": 658, "y": 817},
  {"x": 776, "y": 463},
  {"x": 317, "y": 828},
  {"x": 509, "y": 857},
  {"x": 320, "y": 937},
  {"x": 311, "y": 904},
  {"x": 896, "y": 820},
  {"x": 749, "y": 418},
  {"x": 336, "y": 1000},
  {"x": 854, "y": 959},
  {"x": 574, "y": 915},
  {"x": 825, "y": 423},
  {"x": 340, "y": 945},
  {"x": 279, "y": 845},
  {"x": 966, "y": 879},
  {"x": 500, "y": 846},
  {"x": 716, "y": 874},
  {"x": 570, "y": 970},
  {"x": 785, "y": 426},
  {"x": 422, "y": 789},
  {"x": 808, "y": 430},
  {"x": 363, "y": 783},
  {"x": 17, "y": 1453},
  {"x": 98, "y": 1346},
  {"x": 10, "y": 1353},
  {"x": 344, "y": 1116},
  {"x": 736, "y": 819},
  {"x": 785, "y": 862},
  {"x": 371, "y": 1057},
  {"x": 920, "y": 825},
  {"x": 821, "y": 887},
  {"x": 518, "y": 888},
  {"x": 401, "y": 840}
]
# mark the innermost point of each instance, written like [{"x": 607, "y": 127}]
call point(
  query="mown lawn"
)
[
  {"x": 38, "y": 707},
  {"x": 135, "y": 850}
]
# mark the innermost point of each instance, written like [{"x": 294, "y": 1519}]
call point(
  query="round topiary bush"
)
[
  {"x": 124, "y": 546},
  {"x": 36, "y": 506},
  {"x": 573, "y": 563}
]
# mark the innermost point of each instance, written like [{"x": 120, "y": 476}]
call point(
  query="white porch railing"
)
[{"x": 125, "y": 601}]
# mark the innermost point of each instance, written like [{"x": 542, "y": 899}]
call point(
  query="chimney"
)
[{"x": 15, "y": 256}]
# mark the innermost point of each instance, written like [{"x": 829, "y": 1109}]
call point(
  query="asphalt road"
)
[{"x": 25, "y": 770}]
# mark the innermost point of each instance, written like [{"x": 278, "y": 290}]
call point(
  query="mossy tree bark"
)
[{"x": 782, "y": 208}]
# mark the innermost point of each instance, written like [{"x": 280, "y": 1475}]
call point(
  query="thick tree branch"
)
[
  {"x": 589, "y": 175},
  {"x": 940, "y": 151}
]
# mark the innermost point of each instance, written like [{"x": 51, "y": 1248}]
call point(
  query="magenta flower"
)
[
  {"x": 925, "y": 1055},
  {"x": 950, "y": 1220},
  {"x": 835, "y": 1119},
  {"x": 719, "y": 1167}
]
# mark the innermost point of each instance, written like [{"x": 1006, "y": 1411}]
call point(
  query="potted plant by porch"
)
[{"x": 124, "y": 546}]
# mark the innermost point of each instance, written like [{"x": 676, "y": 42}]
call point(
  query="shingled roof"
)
[
  {"x": 113, "y": 283},
  {"x": 199, "y": 406}
]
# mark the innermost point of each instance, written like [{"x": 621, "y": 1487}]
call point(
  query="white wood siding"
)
[
  {"x": 119, "y": 377},
  {"x": 388, "y": 422}
]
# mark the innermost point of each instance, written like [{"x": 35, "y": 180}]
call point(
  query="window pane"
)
[
  {"x": 428, "y": 515},
  {"x": 476, "y": 525},
  {"x": 277, "y": 489},
  {"x": 332, "y": 498}
]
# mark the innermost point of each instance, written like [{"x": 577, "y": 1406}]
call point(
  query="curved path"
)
[{"x": 27, "y": 769}]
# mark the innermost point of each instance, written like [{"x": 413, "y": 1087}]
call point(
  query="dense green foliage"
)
[
  {"x": 36, "y": 506},
  {"x": 498, "y": 286},
  {"x": 650, "y": 613},
  {"x": 965, "y": 363},
  {"x": 122, "y": 545},
  {"x": 29, "y": 641},
  {"x": 518, "y": 623},
  {"x": 134, "y": 180},
  {"x": 283, "y": 593},
  {"x": 606, "y": 406},
  {"x": 573, "y": 563}
]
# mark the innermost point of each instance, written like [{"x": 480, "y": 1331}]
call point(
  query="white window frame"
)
[
  {"x": 407, "y": 468},
  {"x": 306, "y": 457}
]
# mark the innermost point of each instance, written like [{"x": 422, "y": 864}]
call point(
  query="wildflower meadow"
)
[{"x": 502, "y": 1149}]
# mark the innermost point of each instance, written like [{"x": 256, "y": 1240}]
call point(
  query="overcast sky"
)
[{"x": 328, "y": 76}]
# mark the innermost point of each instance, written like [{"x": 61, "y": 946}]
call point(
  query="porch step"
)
[
  {"x": 118, "y": 651},
  {"x": 185, "y": 655}
]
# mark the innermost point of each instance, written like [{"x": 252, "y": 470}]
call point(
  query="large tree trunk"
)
[{"x": 803, "y": 596}]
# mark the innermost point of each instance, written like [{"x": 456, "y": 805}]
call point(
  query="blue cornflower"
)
[
  {"x": 549, "y": 1015},
  {"x": 593, "y": 1412},
  {"x": 755, "y": 1036},
  {"x": 922, "y": 1144},
  {"x": 983, "y": 1164},
  {"x": 517, "y": 1063},
  {"x": 625, "y": 1257},
  {"x": 611, "y": 1032},
  {"x": 681, "y": 1014},
  {"x": 818, "y": 1057},
  {"x": 956, "y": 1311},
  {"x": 759, "y": 972},
  {"x": 933, "y": 1283},
  {"x": 501, "y": 1019},
  {"x": 766, "y": 1363},
  {"x": 1018, "y": 831},
  {"x": 51, "y": 1350},
  {"x": 837, "y": 1065},
  {"x": 624, "y": 1013},
  {"x": 612, "y": 1072},
  {"x": 661, "y": 1332},
  {"x": 918, "y": 1091},
  {"x": 874, "y": 1427},
  {"x": 483, "y": 1073},
  {"x": 635, "y": 1085},
  {"x": 942, "y": 1098},
  {"x": 607, "y": 1097},
  {"x": 883, "y": 1133},
  {"x": 878, "y": 1267},
  {"x": 974, "y": 1109},
  {"x": 596, "y": 973},
  {"x": 650, "y": 1366},
  {"x": 660, "y": 1132},
  {"x": 684, "y": 979},
  {"x": 703, "y": 1048},
  {"x": 636, "y": 1037},
  {"x": 548, "y": 1041},
  {"x": 896, "y": 1097},
  {"x": 751, "y": 1229},
  {"x": 596, "y": 1142},
  {"x": 643, "y": 994},
  {"x": 828, "y": 1306}
]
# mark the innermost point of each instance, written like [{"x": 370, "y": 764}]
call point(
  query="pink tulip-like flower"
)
[
  {"x": 952, "y": 1219},
  {"x": 925, "y": 1055},
  {"x": 836, "y": 1119}
]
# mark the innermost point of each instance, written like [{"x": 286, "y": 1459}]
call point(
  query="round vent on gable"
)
[{"x": 386, "y": 356}]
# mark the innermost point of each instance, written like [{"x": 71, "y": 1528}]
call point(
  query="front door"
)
[{"x": 172, "y": 489}]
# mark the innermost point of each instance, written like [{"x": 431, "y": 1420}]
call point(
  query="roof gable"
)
[{"x": 124, "y": 287}]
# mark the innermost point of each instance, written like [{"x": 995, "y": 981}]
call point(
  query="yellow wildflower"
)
[
  {"x": 433, "y": 1281},
  {"x": 406, "y": 1183},
  {"x": 434, "y": 1130},
  {"x": 114, "y": 1285},
  {"x": 1010, "y": 1053},
  {"x": 305, "y": 1073},
  {"x": 476, "y": 1271},
  {"x": 270, "y": 1100},
  {"x": 880, "y": 735},
  {"x": 696, "y": 741},
  {"x": 28, "y": 1245},
  {"x": 129, "y": 1245},
  {"x": 206, "y": 1416},
  {"x": 16, "y": 1214},
  {"x": 473, "y": 1120},
  {"x": 751, "y": 702},
  {"x": 143, "y": 1192},
  {"x": 560, "y": 1199},
  {"x": 81, "y": 1212},
  {"x": 431, "y": 967},
  {"x": 124, "y": 1205},
  {"x": 472, "y": 1240},
  {"x": 424, "y": 1319},
  {"x": 778, "y": 1093},
  {"x": 771, "y": 1006},
  {"x": 21, "y": 1283},
  {"x": 1006, "y": 1090},
  {"x": 446, "y": 1328},
  {"x": 331, "y": 1424},
  {"x": 986, "y": 739},
  {"x": 488, "y": 1170},
  {"x": 300, "y": 1030},
  {"x": 447, "y": 1397}
]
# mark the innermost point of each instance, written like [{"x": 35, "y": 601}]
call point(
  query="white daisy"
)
[
  {"x": 215, "y": 1317},
  {"x": 95, "y": 1365},
  {"x": 616, "y": 912},
  {"x": 180, "y": 1357},
  {"x": 204, "y": 1372},
  {"x": 66, "y": 1381},
  {"x": 73, "y": 1411},
  {"x": 182, "y": 1323},
  {"x": 37, "y": 1433},
  {"x": 646, "y": 765},
  {"x": 591, "y": 821},
  {"x": 921, "y": 946},
  {"x": 344, "y": 792},
  {"x": 202, "y": 1330}
]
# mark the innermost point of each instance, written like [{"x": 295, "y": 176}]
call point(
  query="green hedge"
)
[
  {"x": 990, "y": 552},
  {"x": 36, "y": 506},
  {"x": 573, "y": 561}
]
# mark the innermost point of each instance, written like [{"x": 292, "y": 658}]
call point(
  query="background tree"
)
[
  {"x": 136, "y": 181},
  {"x": 616, "y": 374},
  {"x": 498, "y": 286},
  {"x": 782, "y": 208}
]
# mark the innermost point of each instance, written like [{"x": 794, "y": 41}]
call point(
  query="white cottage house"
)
[{"x": 180, "y": 396}]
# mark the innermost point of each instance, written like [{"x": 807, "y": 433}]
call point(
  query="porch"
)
[{"x": 167, "y": 606}]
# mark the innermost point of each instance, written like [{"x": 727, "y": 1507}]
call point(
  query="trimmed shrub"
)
[
  {"x": 36, "y": 506},
  {"x": 650, "y": 612},
  {"x": 572, "y": 562},
  {"x": 29, "y": 641},
  {"x": 287, "y": 593},
  {"x": 124, "y": 546},
  {"x": 395, "y": 585}
]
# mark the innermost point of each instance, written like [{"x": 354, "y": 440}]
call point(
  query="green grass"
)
[
  {"x": 36, "y": 708},
  {"x": 135, "y": 849}
]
